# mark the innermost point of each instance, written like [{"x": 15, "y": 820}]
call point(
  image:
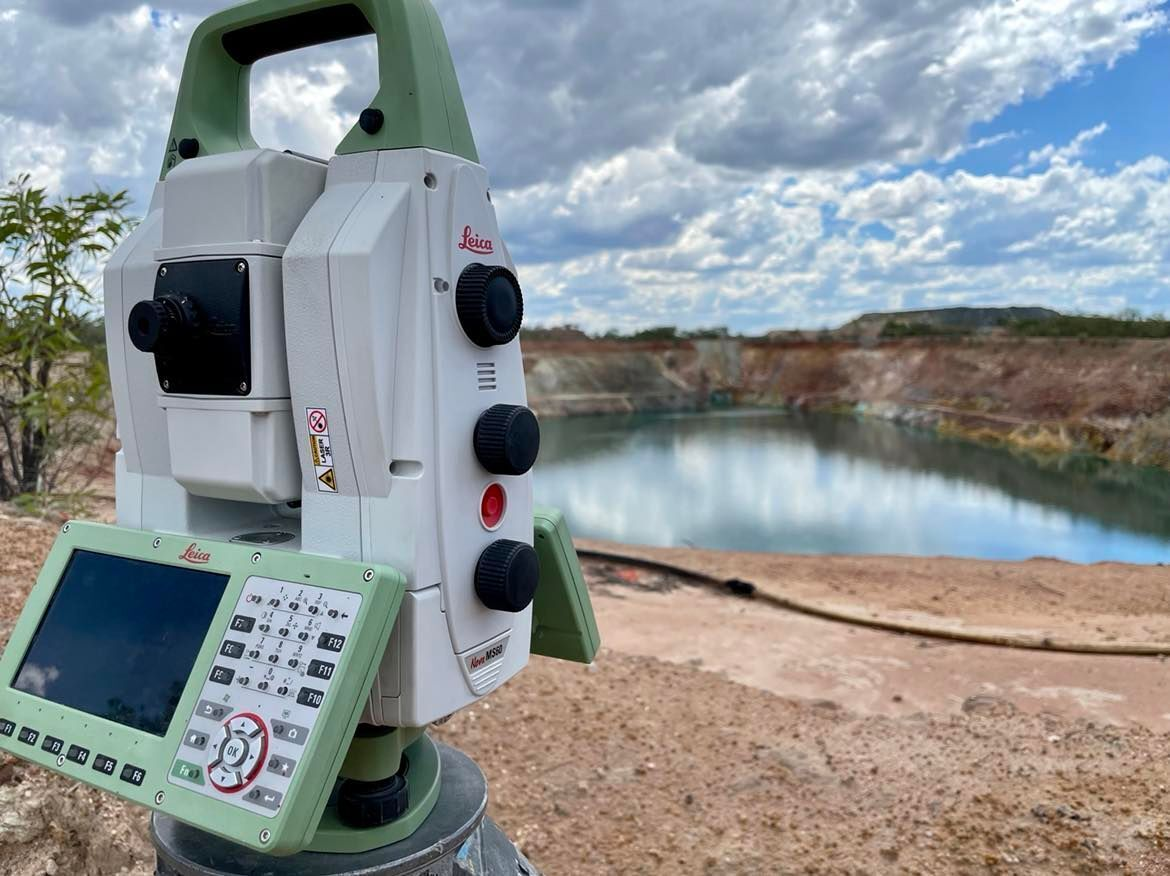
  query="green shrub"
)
[
  {"x": 54, "y": 385},
  {"x": 1127, "y": 325}
]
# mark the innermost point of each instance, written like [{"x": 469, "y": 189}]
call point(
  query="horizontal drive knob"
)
[
  {"x": 507, "y": 440},
  {"x": 367, "y": 805}
]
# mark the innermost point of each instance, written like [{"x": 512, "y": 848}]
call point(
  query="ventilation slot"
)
[{"x": 485, "y": 373}]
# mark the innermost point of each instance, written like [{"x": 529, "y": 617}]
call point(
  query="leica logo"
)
[
  {"x": 474, "y": 243},
  {"x": 193, "y": 555}
]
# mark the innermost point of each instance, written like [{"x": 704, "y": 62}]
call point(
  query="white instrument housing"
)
[{"x": 353, "y": 270}]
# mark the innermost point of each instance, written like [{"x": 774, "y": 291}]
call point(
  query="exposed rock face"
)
[
  {"x": 1108, "y": 397},
  {"x": 613, "y": 380}
]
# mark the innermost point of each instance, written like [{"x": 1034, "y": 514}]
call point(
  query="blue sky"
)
[
  {"x": 1130, "y": 97},
  {"x": 753, "y": 163}
]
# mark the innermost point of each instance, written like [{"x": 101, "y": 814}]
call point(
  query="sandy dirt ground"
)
[
  {"x": 862, "y": 670},
  {"x": 717, "y": 735},
  {"x": 1110, "y": 604}
]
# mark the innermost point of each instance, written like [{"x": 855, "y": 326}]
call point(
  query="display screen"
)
[{"x": 120, "y": 637}]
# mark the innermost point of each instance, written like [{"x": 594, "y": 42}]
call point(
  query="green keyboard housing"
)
[{"x": 159, "y": 772}]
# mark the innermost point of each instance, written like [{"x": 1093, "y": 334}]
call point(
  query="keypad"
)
[
  {"x": 321, "y": 669},
  {"x": 290, "y": 732},
  {"x": 196, "y": 739},
  {"x": 281, "y": 766},
  {"x": 311, "y": 698},
  {"x": 188, "y": 772},
  {"x": 270, "y": 681},
  {"x": 331, "y": 642},
  {"x": 222, "y": 675},
  {"x": 265, "y": 797},
  {"x": 211, "y": 711},
  {"x": 78, "y": 755}
]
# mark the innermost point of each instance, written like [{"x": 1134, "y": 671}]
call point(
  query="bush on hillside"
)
[{"x": 1126, "y": 325}]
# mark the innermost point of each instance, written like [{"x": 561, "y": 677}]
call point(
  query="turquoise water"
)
[{"x": 799, "y": 483}]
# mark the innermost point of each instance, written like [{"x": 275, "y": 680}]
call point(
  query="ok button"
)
[{"x": 235, "y": 752}]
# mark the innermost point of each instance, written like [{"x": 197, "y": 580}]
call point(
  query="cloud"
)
[
  {"x": 35, "y": 679},
  {"x": 815, "y": 250},
  {"x": 764, "y": 84},
  {"x": 1071, "y": 151},
  {"x": 80, "y": 13},
  {"x": 754, "y": 162}
]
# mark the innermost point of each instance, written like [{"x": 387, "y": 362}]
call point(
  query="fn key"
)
[
  {"x": 133, "y": 775},
  {"x": 222, "y": 675},
  {"x": 311, "y": 698}
]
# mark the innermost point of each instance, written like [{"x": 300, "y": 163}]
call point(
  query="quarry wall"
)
[{"x": 1109, "y": 397}]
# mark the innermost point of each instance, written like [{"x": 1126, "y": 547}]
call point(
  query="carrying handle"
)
[{"x": 418, "y": 104}]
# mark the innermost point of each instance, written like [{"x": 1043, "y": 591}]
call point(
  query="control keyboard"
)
[{"x": 260, "y": 702}]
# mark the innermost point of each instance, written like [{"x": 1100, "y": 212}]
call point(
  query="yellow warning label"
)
[
  {"x": 322, "y": 451},
  {"x": 327, "y": 480}
]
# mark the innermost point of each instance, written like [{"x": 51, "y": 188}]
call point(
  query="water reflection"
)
[{"x": 753, "y": 480}]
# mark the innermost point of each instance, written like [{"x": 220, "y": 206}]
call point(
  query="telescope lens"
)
[
  {"x": 159, "y": 325},
  {"x": 146, "y": 325}
]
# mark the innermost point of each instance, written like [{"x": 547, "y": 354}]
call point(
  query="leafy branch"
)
[{"x": 54, "y": 384}]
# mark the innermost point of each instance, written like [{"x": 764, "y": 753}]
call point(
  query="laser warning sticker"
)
[
  {"x": 318, "y": 421},
  {"x": 321, "y": 449}
]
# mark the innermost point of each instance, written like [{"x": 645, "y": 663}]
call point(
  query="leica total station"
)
[{"x": 325, "y": 536}]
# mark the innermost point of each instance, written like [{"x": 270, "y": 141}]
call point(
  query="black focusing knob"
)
[
  {"x": 490, "y": 305},
  {"x": 506, "y": 576},
  {"x": 507, "y": 440},
  {"x": 162, "y": 324}
]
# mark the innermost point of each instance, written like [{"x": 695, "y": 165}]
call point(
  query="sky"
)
[{"x": 755, "y": 164}]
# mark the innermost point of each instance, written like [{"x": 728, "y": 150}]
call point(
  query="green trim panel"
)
[
  {"x": 418, "y": 93},
  {"x": 292, "y": 828},
  {"x": 423, "y": 780},
  {"x": 563, "y": 625}
]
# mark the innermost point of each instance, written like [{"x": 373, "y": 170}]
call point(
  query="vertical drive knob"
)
[
  {"x": 506, "y": 576},
  {"x": 507, "y": 440},
  {"x": 489, "y": 304}
]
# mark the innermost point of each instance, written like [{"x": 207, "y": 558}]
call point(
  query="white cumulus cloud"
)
[{"x": 752, "y": 162}]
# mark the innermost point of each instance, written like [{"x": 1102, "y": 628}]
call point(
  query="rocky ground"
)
[{"x": 716, "y": 735}]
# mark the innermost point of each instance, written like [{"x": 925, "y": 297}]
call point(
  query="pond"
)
[{"x": 829, "y": 484}]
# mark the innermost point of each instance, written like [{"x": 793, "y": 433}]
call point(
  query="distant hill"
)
[{"x": 948, "y": 318}]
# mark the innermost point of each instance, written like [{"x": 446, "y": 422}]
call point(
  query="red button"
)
[{"x": 493, "y": 506}]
